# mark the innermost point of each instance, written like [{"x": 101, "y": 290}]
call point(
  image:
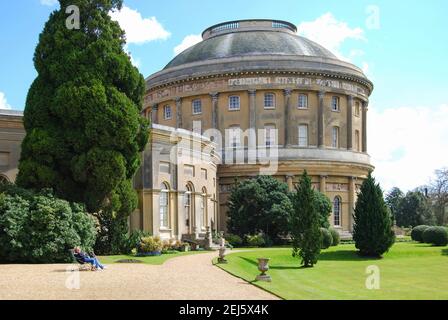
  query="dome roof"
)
[
  {"x": 250, "y": 43},
  {"x": 254, "y": 46}
]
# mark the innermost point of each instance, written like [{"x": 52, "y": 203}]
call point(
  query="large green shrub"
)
[
  {"x": 335, "y": 236},
  {"x": 234, "y": 240},
  {"x": 327, "y": 239},
  {"x": 260, "y": 205},
  {"x": 437, "y": 236},
  {"x": 255, "y": 240},
  {"x": 150, "y": 245},
  {"x": 417, "y": 233},
  {"x": 40, "y": 228}
]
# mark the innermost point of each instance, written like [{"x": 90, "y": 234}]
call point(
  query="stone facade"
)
[{"x": 223, "y": 66}]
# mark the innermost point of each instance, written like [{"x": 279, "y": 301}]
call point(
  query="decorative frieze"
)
[
  {"x": 335, "y": 187},
  {"x": 268, "y": 82}
]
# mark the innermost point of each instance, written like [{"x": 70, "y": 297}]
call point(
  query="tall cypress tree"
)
[
  {"x": 372, "y": 230},
  {"x": 304, "y": 223},
  {"x": 84, "y": 132}
]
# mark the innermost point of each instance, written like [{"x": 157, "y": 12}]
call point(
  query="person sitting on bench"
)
[{"x": 84, "y": 257}]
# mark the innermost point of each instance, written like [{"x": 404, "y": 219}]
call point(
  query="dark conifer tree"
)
[
  {"x": 84, "y": 132},
  {"x": 305, "y": 223},
  {"x": 372, "y": 230}
]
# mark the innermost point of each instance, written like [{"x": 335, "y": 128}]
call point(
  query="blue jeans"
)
[{"x": 94, "y": 262}]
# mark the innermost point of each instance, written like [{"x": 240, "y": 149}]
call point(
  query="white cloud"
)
[
  {"x": 407, "y": 144},
  {"x": 49, "y": 3},
  {"x": 188, "y": 42},
  {"x": 365, "y": 68},
  {"x": 139, "y": 30},
  {"x": 3, "y": 103},
  {"x": 330, "y": 33}
]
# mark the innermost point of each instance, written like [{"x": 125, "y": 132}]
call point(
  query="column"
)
[
  {"x": 178, "y": 112},
  {"x": 252, "y": 122},
  {"x": 350, "y": 122},
  {"x": 364, "y": 126},
  {"x": 323, "y": 184},
  {"x": 154, "y": 114},
  {"x": 287, "y": 93},
  {"x": 320, "y": 120},
  {"x": 289, "y": 181},
  {"x": 214, "y": 96},
  {"x": 351, "y": 201}
]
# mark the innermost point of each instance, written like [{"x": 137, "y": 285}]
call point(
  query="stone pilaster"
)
[
  {"x": 178, "y": 112},
  {"x": 364, "y": 126},
  {"x": 289, "y": 182},
  {"x": 214, "y": 97},
  {"x": 320, "y": 120},
  {"x": 252, "y": 120},
  {"x": 323, "y": 184},
  {"x": 349, "y": 122},
  {"x": 351, "y": 201},
  {"x": 287, "y": 93}
]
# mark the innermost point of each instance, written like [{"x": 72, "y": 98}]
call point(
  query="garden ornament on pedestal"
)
[
  {"x": 222, "y": 255},
  {"x": 263, "y": 266}
]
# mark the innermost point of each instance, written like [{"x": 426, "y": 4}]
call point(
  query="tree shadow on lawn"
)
[
  {"x": 345, "y": 255},
  {"x": 445, "y": 252}
]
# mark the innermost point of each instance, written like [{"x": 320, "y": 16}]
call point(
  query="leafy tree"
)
[
  {"x": 84, "y": 132},
  {"x": 414, "y": 209},
  {"x": 304, "y": 223},
  {"x": 393, "y": 200},
  {"x": 372, "y": 230},
  {"x": 39, "y": 228},
  {"x": 323, "y": 207},
  {"x": 259, "y": 205},
  {"x": 439, "y": 196}
]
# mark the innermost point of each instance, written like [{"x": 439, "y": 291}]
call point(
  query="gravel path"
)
[{"x": 190, "y": 277}]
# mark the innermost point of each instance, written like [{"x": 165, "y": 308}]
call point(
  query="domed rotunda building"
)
[{"x": 271, "y": 102}]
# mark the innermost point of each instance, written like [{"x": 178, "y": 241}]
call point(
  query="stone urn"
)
[
  {"x": 222, "y": 255},
  {"x": 263, "y": 267}
]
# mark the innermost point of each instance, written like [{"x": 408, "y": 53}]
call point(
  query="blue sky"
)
[{"x": 404, "y": 52}]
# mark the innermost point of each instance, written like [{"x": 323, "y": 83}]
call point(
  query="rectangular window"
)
[
  {"x": 270, "y": 134},
  {"x": 164, "y": 167},
  {"x": 234, "y": 136},
  {"x": 335, "y": 137},
  {"x": 234, "y": 103},
  {"x": 189, "y": 170},
  {"x": 167, "y": 114},
  {"x": 357, "y": 109},
  {"x": 303, "y": 101},
  {"x": 197, "y": 106},
  {"x": 269, "y": 101},
  {"x": 303, "y": 135},
  {"x": 335, "y": 103},
  {"x": 204, "y": 174}
]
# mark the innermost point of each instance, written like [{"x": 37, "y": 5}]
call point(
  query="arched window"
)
[
  {"x": 203, "y": 213},
  {"x": 337, "y": 211},
  {"x": 164, "y": 205},
  {"x": 188, "y": 204},
  {"x": 3, "y": 179}
]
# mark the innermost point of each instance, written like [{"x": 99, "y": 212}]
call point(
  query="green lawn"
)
[
  {"x": 155, "y": 260},
  {"x": 409, "y": 271}
]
